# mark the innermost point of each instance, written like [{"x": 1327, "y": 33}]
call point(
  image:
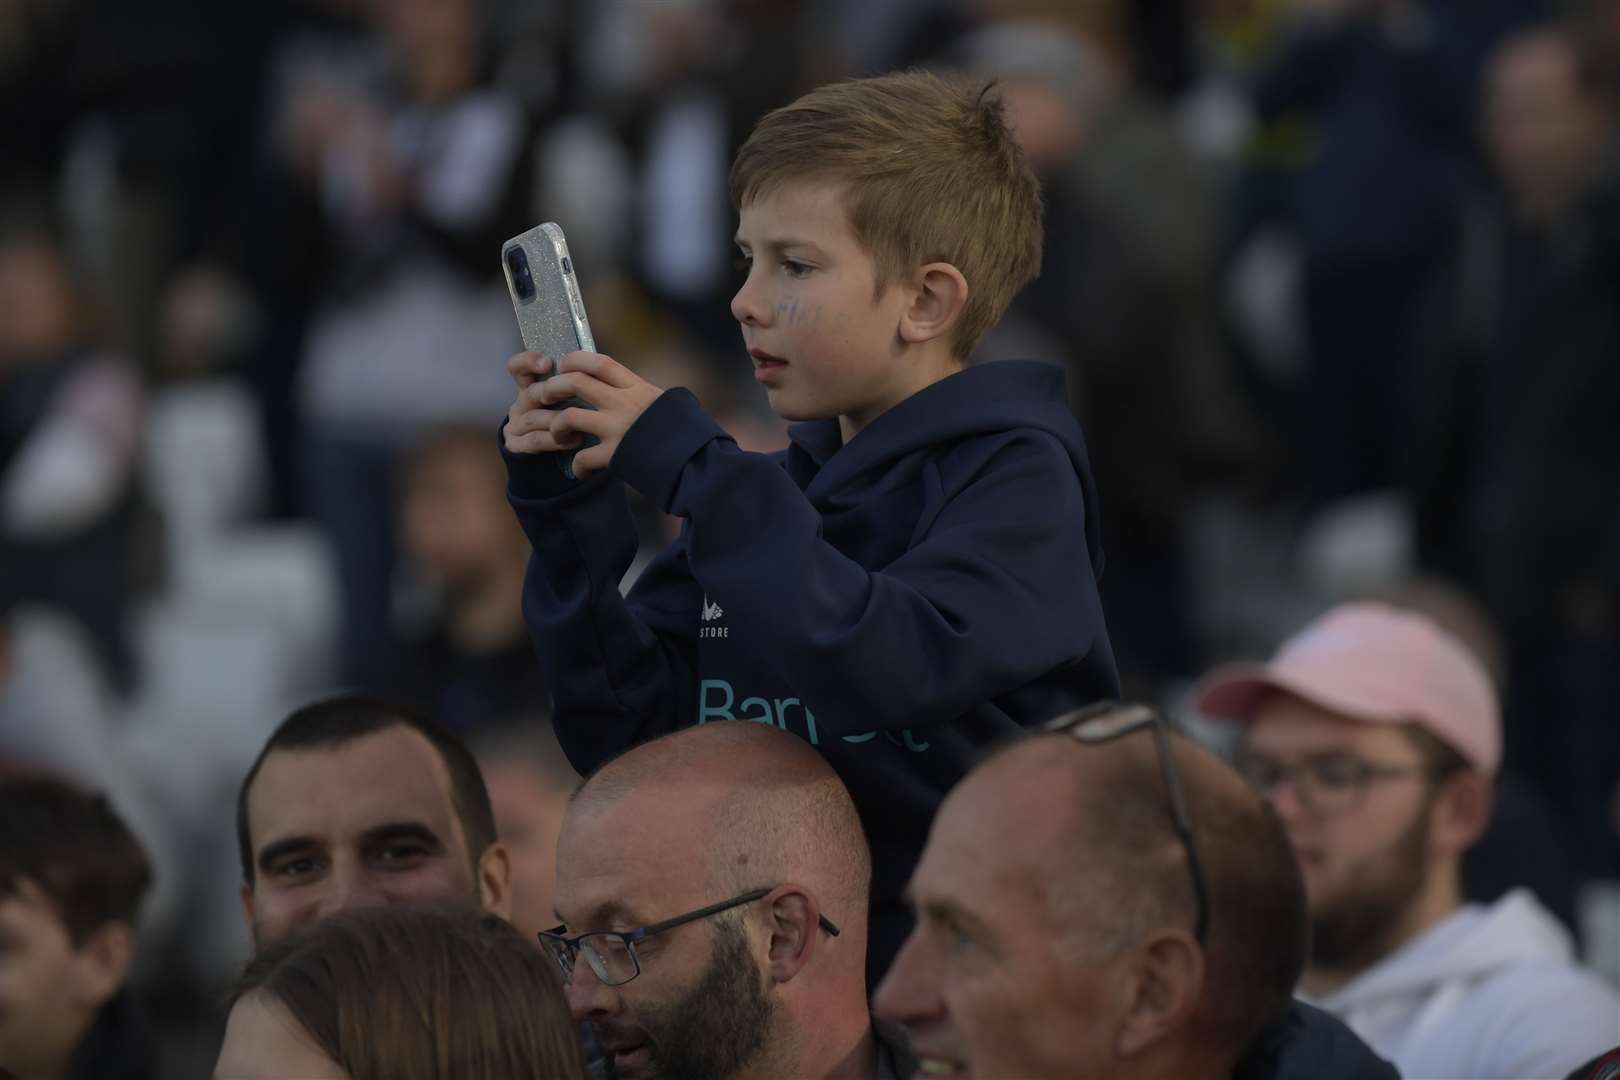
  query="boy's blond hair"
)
[{"x": 932, "y": 174}]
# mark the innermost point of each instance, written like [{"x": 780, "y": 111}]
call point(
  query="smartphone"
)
[{"x": 550, "y": 310}]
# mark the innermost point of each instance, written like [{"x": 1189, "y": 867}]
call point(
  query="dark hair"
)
[
  {"x": 72, "y": 846},
  {"x": 422, "y": 993},
  {"x": 336, "y": 721}
]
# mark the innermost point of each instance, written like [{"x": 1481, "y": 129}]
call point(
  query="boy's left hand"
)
[{"x": 618, "y": 396}]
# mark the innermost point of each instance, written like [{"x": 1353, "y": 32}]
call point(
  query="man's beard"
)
[
  {"x": 721, "y": 1025},
  {"x": 1354, "y": 929}
]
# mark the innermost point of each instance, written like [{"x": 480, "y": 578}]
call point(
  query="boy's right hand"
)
[{"x": 528, "y": 422}]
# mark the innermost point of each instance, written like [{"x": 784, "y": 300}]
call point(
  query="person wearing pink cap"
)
[{"x": 1377, "y": 737}]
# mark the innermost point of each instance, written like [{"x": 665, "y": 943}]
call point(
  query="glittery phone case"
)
[{"x": 545, "y": 294}]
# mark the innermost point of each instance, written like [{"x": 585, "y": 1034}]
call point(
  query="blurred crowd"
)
[{"x": 1336, "y": 284}]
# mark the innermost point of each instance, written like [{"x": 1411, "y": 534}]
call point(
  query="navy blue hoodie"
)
[{"x": 901, "y": 602}]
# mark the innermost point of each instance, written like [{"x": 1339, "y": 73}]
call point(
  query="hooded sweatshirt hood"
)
[
  {"x": 985, "y": 399},
  {"x": 1488, "y": 992}
]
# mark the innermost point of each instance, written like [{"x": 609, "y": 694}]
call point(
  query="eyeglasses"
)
[
  {"x": 612, "y": 954},
  {"x": 1110, "y": 720},
  {"x": 1326, "y": 784}
]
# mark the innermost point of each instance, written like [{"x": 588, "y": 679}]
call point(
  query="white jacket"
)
[{"x": 1488, "y": 992}]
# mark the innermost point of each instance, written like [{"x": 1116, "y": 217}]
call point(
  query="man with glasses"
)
[
  {"x": 1376, "y": 736},
  {"x": 1109, "y": 900},
  {"x": 713, "y": 886}
]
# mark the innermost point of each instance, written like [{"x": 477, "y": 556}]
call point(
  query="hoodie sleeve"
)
[
  {"x": 620, "y": 671},
  {"x": 994, "y": 592}
]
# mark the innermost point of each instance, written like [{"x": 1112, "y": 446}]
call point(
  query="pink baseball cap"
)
[{"x": 1375, "y": 664}]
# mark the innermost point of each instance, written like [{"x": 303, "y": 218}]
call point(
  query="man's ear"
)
[
  {"x": 1462, "y": 812},
  {"x": 1165, "y": 985},
  {"x": 101, "y": 964},
  {"x": 495, "y": 881},
  {"x": 794, "y": 928},
  {"x": 939, "y": 293}
]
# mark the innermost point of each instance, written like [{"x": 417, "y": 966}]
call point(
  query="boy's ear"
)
[
  {"x": 940, "y": 293},
  {"x": 101, "y": 964}
]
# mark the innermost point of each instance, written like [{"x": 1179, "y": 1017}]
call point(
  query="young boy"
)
[
  {"x": 71, "y": 880},
  {"x": 914, "y": 578}
]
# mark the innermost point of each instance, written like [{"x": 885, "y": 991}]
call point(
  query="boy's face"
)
[
  {"x": 823, "y": 343},
  {"x": 46, "y": 1000}
]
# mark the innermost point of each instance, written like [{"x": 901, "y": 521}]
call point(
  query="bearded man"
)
[
  {"x": 714, "y": 885},
  {"x": 1376, "y": 735}
]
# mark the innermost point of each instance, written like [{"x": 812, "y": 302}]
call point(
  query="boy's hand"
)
[
  {"x": 528, "y": 428},
  {"x": 617, "y": 395}
]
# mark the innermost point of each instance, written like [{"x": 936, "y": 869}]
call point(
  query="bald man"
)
[
  {"x": 713, "y": 887},
  {"x": 1067, "y": 929}
]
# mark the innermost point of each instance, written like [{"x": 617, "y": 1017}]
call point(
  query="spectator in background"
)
[
  {"x": 58, "y": 715},
  {"x": 1525, "y": 845},
  {"x": 1539, "y": 533},
  {"x": 70, "y": 426},
  {"x": 472, "y": 666},
  {"x": 358, "y": 802},
  {"x": 1376, "y": 736},
  {"x": 423, "y": 994},
  {"x": 529, "y": 783},
  {"x": 420, "y": 172},
  {"x": 1386, "y": 87},
  {"x": 684, "y": 84},
  {"x": 71, "y": 883},
  {"x": 1123, "y": 300},
  {"x": 1126, "y": 941},
  {"x": 714, "y": 885}
]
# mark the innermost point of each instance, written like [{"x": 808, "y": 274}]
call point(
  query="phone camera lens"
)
[{"x": 522, "y": 280}]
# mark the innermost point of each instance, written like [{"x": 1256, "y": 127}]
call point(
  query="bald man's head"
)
[
  {"x": 1058, "y": 864},
  {"x": 1129, "y": 875},
  {"x": 742, "y": 849},
  {"x": 761, "y": 805}
]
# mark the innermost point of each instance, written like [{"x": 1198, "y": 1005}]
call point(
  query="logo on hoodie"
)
[{"x": 711, "y": 612}]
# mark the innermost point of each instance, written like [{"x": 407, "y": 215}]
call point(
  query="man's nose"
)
[
  {"x": 910, "y": 991},
  {"x": 1285, "y": 799},
  {"x": 350, "y": 887},
  {"x": 588, "y": 997}
]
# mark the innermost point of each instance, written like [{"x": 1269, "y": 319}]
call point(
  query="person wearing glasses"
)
[
  {"x": 1376, "y": 735},
  {"x": 1108, "y": 900},
  {"x": 713, "y": 886}
]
